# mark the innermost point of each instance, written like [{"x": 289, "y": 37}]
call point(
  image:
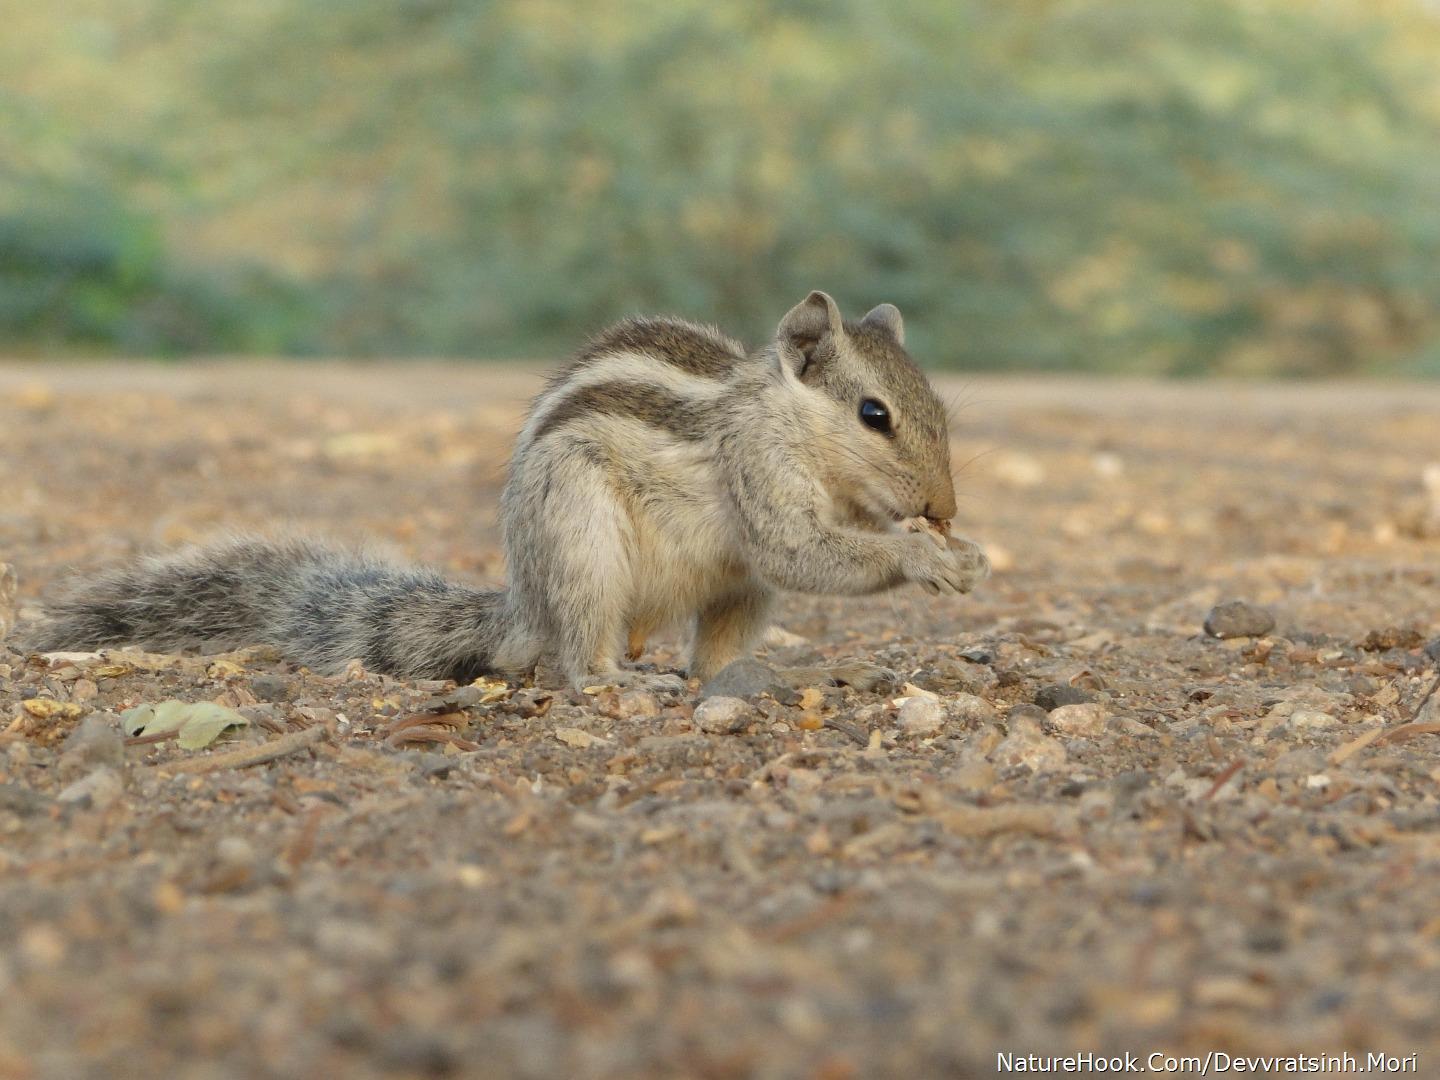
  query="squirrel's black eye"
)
[{"x": 874, "y": 415}]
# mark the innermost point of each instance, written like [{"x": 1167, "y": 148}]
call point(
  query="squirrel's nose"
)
[{"x": 941, "y": 506}]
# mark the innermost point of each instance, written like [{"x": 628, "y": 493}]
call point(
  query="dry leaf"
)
[
  {"x": 198, "y": 723},
  {"x": 44, "y": 708},
  {"x": 493, "y": 690}
]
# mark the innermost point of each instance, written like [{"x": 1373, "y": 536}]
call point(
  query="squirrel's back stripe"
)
[
  {"x": 696, "y": 350},
  {"x": 661, "y": 372},
  {"x": 682, "y": 417}
]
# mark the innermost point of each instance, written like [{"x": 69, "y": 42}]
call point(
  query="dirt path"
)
[{"x": 1230, "y": 853}]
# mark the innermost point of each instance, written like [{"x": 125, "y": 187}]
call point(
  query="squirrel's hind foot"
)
[
  {"x": 624, "y": 679},
  {"x": 656, "y": 682}
]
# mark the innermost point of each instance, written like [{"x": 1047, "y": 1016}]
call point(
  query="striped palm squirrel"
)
[{"x": 664, "y": 474}]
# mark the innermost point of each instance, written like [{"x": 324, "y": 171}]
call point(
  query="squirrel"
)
[{"x": 663, "y": 474}]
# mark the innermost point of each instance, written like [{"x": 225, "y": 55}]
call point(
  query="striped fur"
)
[{"x": 664, "y": 476}]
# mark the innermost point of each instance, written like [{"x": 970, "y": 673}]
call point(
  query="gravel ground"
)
[{"x": 1073, "y": 821}]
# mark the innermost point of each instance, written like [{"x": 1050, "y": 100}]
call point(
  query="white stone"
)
[
  {"x": 723, "y": 715},
  {"x": 1027, "y": 745},
  {"x": 921, "y": 716},
  {"x": 1080, "y": 721},
  {"x": 1310, "y": 720},
  {"x": 971, "y": 710}
]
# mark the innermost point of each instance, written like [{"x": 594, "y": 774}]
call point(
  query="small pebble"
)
[
  {"x": 1236, "y": 618},
  {"x": 921, "y": 715},
  {"x": 1027, "y": 745},
  {"x": 971, "y": 710},
  {"x": 272, "y": 687},
  {"x": 638, "y": 705},
  {"x": 1128, "y": 725},
  {"x": 1027, "y": 711},
  {"x": 1311, "y": 720},
  {"x": 437, "y": 766},
  {"x": 723, "y": 715},
  {"x": 972, "y": 677},
  {"x": 1083, "y": 721},
  {"x": 1056, "y": 695}
]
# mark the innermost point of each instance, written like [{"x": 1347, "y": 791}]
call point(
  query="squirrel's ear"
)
[
  {"x": 807, "y": 324},
  {"x": 887, "y": 317}
]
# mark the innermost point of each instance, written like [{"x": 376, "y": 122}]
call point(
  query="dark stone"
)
[
  {"x": 272, "y": 687},
  {"x": 1236, "y": 618},
  {"x": 434, "y": 765},
  {"x": 744, "y": 678},
  {"x": 1269, "y": 936},
  {"x": 785, "y": 695},
  {"x": 1051, "y": 697},
  {"x": 1023, "y": 709},
  {"x": 1433, "y": 650}
]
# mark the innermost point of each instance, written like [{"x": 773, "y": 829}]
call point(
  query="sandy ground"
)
[{"x": 1228, "y": 846}]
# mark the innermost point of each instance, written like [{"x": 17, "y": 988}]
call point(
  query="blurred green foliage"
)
[
  {"x": 79, "y": 269},
  {"x": 1241, "y": 186}
]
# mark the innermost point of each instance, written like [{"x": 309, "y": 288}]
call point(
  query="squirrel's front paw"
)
[
  {"x": 971, "y": 559},
  {"x": 944, "y": 565}
]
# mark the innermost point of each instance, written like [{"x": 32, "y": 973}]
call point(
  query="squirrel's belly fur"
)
[{"x": 664, "y": 476}]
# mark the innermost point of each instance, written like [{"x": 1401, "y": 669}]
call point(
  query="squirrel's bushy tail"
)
[{"x": 319, "y": 606}]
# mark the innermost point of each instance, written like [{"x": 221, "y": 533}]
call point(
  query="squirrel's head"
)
[{"x": 880, "y": 430}]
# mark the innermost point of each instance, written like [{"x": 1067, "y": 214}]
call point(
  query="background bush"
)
[{"x": 1240, "y": 186}]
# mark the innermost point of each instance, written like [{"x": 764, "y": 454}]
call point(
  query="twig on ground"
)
[
  {"x": 150, "y": 740},
  {"x": 849, "y": 729},
  {"x": 1416, "y": 726},
  {"x": 1223, "y": 779},
  {"x": 249, "y": 755},
  {"x": 1405, "y": 732}
]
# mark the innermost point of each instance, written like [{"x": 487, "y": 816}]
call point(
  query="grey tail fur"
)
[{"x": 319, "y": 606}]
